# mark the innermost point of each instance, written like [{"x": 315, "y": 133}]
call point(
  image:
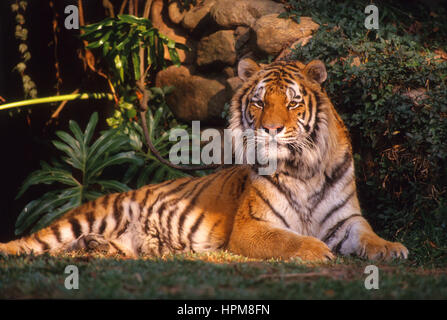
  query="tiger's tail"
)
[
  {"x": 61, "y": 235},
  {"x": 37, "y": 243},
  {"x": 103, "y": 217}
]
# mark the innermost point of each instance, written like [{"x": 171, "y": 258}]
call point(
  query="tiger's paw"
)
[
  {"x": 375, "y": 248},
  {"x": 314, "y": 250},
  {"x": 93, "y": 243}
]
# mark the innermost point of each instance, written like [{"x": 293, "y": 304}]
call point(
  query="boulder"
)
[
  {"x": 195, "y": 97},
  {"x": 228, "y": 72},
  {"x": 287, "y": 53},
  {"x": 274, "y": 34},
  {"x": 234, "y": 83},
  {"x": 176, "y": 14},
  {"x": 174, "y": 33},
  {"x": 217, "y": 49},
  {"x": 231, "y": 13},
  {"x": 199, "y": 16},
  {"x": 241, "y": 35}
]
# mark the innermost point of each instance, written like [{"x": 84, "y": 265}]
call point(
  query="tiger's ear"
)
[
  {"x": 316, "y": 71},
  {"x": 246, "y": 68}
]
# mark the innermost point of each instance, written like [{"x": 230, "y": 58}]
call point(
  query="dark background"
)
[{"x": 25, "y": 139}]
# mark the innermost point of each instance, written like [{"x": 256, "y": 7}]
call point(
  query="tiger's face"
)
[{"x": 279, "y": 102}]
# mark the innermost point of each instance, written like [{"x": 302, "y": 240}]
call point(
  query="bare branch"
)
[
  {"x": 108, "y": 6},
  {"x": 123, "y": 7}
]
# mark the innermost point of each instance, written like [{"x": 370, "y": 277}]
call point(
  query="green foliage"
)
[
  {"x": 79, "y": 176},
  {"x": 120, "y": 41},
  {"x": 82, "y": 174},
  {"x": 159, "y": 120},
  {"x": 399, "y": 141}
]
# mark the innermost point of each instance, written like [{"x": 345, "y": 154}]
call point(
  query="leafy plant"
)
[
  {"x": 160, "y": 121},
  {"x": 79, "y": 176},
  {"x": 133, "y": 51}
]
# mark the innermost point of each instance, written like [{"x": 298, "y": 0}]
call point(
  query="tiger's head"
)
[{"x": 284, "y": 102}]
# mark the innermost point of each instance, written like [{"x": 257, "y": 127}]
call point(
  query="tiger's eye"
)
[
  {"x": 258, "y": 103},
  {"x": 292, "y": 104}
]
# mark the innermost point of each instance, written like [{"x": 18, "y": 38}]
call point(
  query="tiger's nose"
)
[{"x": 273, "y": 129}]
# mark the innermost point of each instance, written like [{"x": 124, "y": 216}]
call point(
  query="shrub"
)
[{"x": 399, "y": 140}]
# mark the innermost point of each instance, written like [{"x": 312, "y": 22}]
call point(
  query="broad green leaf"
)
[
  {"x": 56, "y": 213},
  {"x": 72, "y": 142},
  {"x": 47, "y": 176},
  {"x": 48, "y": 202},
  {"x": 119, "y": 158},
  {"x": 90, "y": 128},
  {"x": 97, "y": 158},
  {"x": 112, "y": 185},
  {"x": 73, "y": 156}
]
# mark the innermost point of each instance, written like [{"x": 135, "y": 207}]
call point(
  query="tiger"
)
[{"x": 306, "y": 209}]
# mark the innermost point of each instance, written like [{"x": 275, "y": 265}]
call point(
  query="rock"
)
[
  {"x": 195, "y": 97},
  {"x": 242, "y": 35},
  {"x": 176, "y": 33},
  {"x": 228, "y": 72},
  {"x": 287, "y": 53},
  {"x": 199, "y": 16},
  {"x": 231, "y": 13},
  {"x": 274, "y": 34},
  {"x": 234, "y": 83},
  {"x": 217, "y": 49},
  {"x": 175, "y": 13}
]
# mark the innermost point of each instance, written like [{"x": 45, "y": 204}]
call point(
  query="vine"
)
[{"x": 21, "y": 34}]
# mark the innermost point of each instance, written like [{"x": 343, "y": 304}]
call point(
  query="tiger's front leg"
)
[
  {"x": 354, "y": 235},
  {"x": 254, "y": 236},
  {"x": 258, "y": 239}
]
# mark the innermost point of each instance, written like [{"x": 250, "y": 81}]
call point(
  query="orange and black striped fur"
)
[{"x": 307, "y": 209}]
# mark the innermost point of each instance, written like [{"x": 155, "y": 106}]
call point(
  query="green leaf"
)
[
  {"x": 73, "y": 158},
  {"x": 49, "y": 217},
  {"x": 70, "y": 141},
  {"x": 112, "y": 185},
  {"x": 47, "y": 203},
  {"x": 119, "y": 158},
  {"x": 182, "y": 46},
  {"x": 90, "y": 128},
  {"x": 136, "y": 65},
  {"x": 174, "y": 56},
  {"x": 132, "y": 19},
  {"x": 112, "y": 144},
  {"x": 48, "y": 176},
  {"x": 119, "y": 67}
]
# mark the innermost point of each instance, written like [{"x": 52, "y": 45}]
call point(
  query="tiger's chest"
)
[{"x": 300, "y": 203}]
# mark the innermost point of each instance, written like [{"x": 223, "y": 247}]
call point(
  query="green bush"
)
[{"x": 399, "y": 142}]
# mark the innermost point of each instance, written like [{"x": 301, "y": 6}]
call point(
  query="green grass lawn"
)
[{"x": 213, "y": 276}]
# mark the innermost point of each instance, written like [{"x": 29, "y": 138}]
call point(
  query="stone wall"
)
[{"x": 220, "y": 33}]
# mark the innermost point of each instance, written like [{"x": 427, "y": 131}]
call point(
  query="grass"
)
[{"x": 213, "y": 276}]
